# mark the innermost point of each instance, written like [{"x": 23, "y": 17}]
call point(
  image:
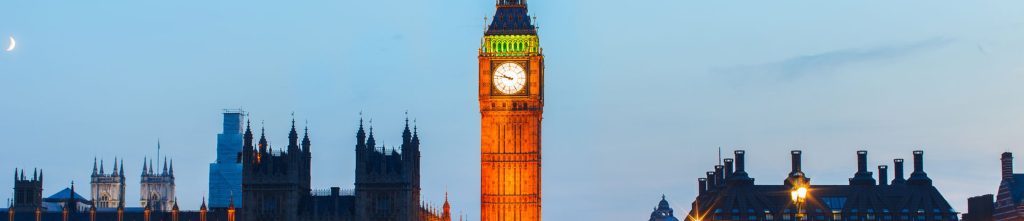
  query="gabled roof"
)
[{"x": 64, "y": 194}]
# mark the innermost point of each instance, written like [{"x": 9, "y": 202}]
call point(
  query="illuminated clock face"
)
[{"x": 509, "y": 78}]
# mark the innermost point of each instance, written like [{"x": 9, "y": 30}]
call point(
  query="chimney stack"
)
[
  {"x": 797, "y": 176},
  {"x": 741, "y": 165},
  {"x": 918, "y": 161},
  {"x": 862, "y": 177},
  {"x": 719, "y": 176},
  {"x": 862, "y": 161},
  {"x": 728, "y": 168},
  {"x": 702, "y": 186},
  {"x": 795, "y": 162},
  {"x": 740, "y": 174},
  {"x": 898, "y": 172},
  {"x": 1007, "y": 160},
  {"x": 919, "y": 176},
  {"x": 883, "y": 175},
  {"x": 711, "y": 180}
]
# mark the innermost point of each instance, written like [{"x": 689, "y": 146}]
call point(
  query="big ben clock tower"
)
[{"x": 511, "y": 109}]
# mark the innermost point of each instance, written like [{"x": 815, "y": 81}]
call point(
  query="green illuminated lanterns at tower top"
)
[{"x": 511, "y": 32}]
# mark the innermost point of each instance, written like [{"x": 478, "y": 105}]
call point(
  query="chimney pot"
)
[
  {"x": 883, "y": 175},
  {"x": 862, "y": 161},
  {"x": 898, "y": 171},
  {"x": 702, "y": 186},
  {"x": 711, "y": 180},
  {"x": 719, "y": 175},
  {"x": 1007, "y": 161},
  {"x": 728, "y": 168},
  {"x": 741, "y": 165},
  {"x": 795, "y": 161}
]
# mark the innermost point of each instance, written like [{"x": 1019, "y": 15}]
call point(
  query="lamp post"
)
[{"x": 799, "y": 197}]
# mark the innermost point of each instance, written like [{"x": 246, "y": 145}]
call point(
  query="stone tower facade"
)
[
  {"x": 275, "y": 184},
  {"x": 387, "y": 181},
  {"x": 28, "y": 191},
  {"x": 107, "y": 188},
  {"x": 511, "y": 94},
  {"x": 157, "y": 186}
]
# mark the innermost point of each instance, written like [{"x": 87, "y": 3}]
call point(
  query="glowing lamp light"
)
[{"x": 798, "y": 195}]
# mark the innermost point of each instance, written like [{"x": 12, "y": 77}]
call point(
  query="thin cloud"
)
[{"x": 796, "y": 67}]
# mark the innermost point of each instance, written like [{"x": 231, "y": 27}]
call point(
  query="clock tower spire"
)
[{"x": 511, "y": 95}]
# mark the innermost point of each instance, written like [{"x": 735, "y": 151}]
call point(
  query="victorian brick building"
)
[{"x": 729, "y": 193}]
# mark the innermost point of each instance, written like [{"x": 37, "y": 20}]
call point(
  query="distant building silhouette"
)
[
  {"x": 67, "y": 204},
  {"x": 226, "y": 171},
  {"x": 28, "y": 191},
  {"x": 276, "y": 183},
  {"x": 980, "y": 208},
  {"x": 663, "y": 212},
  {"x": 729, "y": 193}
]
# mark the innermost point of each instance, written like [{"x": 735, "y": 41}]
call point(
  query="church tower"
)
[
  {"x": 107, "y": 188},
  {"x": 157, "y": 185},
  {"x": 28, "y": 191},
  {"x": 511, "y": 97}
]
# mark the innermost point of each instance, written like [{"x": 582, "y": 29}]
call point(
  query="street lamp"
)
[{"x": 799, "y": 197}]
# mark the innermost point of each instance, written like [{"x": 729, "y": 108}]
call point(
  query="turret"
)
[
  {"x": 94, "y": 171},
  {"x": 406, "y": 133},
  {"x": 202, "y": 210},
  {"x": 415, "y": 137},
  {"x": 247, "y": 142},
  {"x": 305, "y": 140},
  {"x": 120, "y": 171},
  {"x": 144, "y": 167},
  {"x": 361, "y": 134},
  {"x": 293, "y": 139},
  {"x": 263, "y": 141},
  {"x": 370, "y": 142},
  {"x": 447, "y": 215}
]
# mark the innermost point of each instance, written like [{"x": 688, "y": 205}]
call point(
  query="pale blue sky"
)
[{"x": 640, "y": 93}]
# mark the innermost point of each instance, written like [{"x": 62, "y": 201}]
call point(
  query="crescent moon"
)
[{"x": 13, "y": 44}]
